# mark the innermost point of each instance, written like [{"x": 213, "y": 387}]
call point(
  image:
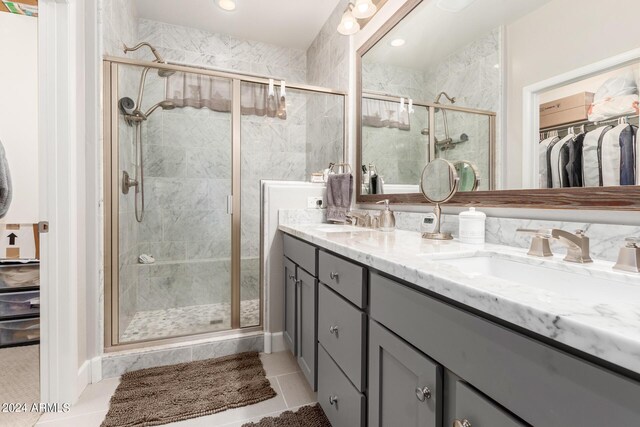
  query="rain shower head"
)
[
  {"x": 165, "y": 105},
  {"x": 165, "y": 73}
]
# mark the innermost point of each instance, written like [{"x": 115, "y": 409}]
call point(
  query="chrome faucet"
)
[
  {"x": 577, "y": 244},
  {"x": 359, "y": 219}
]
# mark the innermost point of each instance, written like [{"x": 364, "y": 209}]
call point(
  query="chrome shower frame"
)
[{"x": 112, "y": 184}]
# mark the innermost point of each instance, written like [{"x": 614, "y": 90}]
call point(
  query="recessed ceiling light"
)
[
  {"x": 227, "y": 5},
  {"x": 397, "y": 42},
  {"x": 454, "y": 5}
]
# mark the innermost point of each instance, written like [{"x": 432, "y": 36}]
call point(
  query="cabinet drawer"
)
[
  {"x": 16, "y": 277},
  {"x": 19, "y": 304},
  {"x": 479, "y": 411},
  {"x": 19, "y": 331},
  {"x": 341, "y": 402},
  {"x": 341, "y": 330},
  {"x": 344, "y": 277},
  {"x": 301, "y": 253},
  {"x": 538, "y": 383}
]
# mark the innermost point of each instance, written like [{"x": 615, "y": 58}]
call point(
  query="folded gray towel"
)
[
  {"x": 5, "y": 183},
  {"x": 339, "y": 192}
]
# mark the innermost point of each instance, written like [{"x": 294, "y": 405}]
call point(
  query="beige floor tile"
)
[
  {"x": 93, "y": 419},
  {"x": 279, "y": 363},
  {"x": 296, "y": 390},
  {"x": 94, "y": 398},
  {"x": 258, "y": 410}
]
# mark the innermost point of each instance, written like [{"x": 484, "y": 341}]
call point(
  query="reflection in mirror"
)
[
  {"x": 454, "y": 84},
  {"x": 588, "y": 132},
  {"x": 468, "y": 174},
  {"x": 438, "y": 183}
]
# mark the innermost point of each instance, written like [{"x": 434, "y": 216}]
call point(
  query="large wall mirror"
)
[{"x": 535, "y": 102}]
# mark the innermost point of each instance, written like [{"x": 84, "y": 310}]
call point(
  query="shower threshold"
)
[{"x": 195, "y": 319}]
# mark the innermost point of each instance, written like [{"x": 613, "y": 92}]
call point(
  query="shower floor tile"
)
[{"x": 189, "y": 320}]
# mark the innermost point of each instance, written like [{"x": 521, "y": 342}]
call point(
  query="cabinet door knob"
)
[
  {"x": 333, "y": 330},
  {"x": 333, "y": 400},
  {"x": 298, "y": 282},
  {"x": 461, "y": 423},
  {"x": 291, "y": 277},
  {"x": 423, "y": 393},
  {"x": 333, "y": 275}
]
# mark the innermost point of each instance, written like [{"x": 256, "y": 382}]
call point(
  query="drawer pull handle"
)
[
  {"x": 423, "y": 393},
  {"x": 333, "y": 275},
  {"x": 291, "y": 277},
  {"x": 461, "y": 423},
  {"x": 333, "y": 330},
  {"x": 333, "y": 400}
]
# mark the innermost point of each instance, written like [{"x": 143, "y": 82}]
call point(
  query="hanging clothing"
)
[
  {"x": 559, "y": 158},
  {"x": 574, "y": 165},
  {"x": 591, "y": 157},
  {"x": 628, "y": 167},
  {"x": 617, "y": 156},
  {"x": 544, "y": 163}
]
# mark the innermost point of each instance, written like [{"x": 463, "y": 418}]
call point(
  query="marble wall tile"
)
[
  {"x": 117, "y": 364},
  {"x": 228, "y": 347}
]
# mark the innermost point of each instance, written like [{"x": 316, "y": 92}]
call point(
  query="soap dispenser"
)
[{"x": 386, "y": 219}]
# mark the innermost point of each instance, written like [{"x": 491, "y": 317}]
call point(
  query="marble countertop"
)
[{"x": 603, "y": 321}]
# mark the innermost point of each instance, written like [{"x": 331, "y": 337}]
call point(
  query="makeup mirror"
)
[{"x": 438, "y": 184}]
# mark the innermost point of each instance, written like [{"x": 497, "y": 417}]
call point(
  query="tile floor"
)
[
  {"x": 194, "y": 319},
  {"x": 282, "y": 371}
]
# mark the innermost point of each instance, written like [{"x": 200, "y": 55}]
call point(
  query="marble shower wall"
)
[
  {"x": 399, "y": 155},
  {"x": 470, "y": 75},
  {"x": 327, "y": 66}
]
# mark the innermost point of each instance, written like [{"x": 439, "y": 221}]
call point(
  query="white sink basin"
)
[
  {"x": 339, "y": 228},
  {"x": 545, "y": 276}
]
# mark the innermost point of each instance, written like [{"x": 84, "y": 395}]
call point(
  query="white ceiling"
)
[
  {"x": 431, "y": 33},
  {"x": 288, "y": 23}
]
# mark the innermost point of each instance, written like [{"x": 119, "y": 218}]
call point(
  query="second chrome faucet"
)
[{"x": 577, "y": 243}]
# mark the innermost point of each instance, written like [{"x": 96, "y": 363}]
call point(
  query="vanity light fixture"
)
[
  {"x": 454, "y": 5},
  {"x": 397, "y": 42},
  {"x": 364, "y": 9},
  {"x": 348, "y": 24},
  {"x": 228, "y": 5}
]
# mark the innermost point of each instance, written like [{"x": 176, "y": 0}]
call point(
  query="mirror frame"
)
[{"x": 624, "y": 198}]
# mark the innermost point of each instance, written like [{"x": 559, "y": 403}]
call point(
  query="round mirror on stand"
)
[
  {"x": 468, "y": 174},
  {"x": 439, "y": 182}
]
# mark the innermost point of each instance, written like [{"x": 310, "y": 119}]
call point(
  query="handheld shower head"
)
[{"x": 165, "y": 105}]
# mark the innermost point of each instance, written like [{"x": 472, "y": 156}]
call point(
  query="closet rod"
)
[{"x": 590, "y": 123}]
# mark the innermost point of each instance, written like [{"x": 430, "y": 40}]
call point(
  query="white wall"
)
[{"x": 19, "y": 112}]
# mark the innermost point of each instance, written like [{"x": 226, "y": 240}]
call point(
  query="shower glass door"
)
[{"x": 174, "y": 161}]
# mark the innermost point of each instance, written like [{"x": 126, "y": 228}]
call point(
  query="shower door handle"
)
[{"x": 230, "y": 204}]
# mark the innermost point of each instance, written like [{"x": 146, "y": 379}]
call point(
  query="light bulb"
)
[
  {"x": 364, "y": 9},
  {"x": 348, "y": 24},
  {"x": 227, "y": 5}
]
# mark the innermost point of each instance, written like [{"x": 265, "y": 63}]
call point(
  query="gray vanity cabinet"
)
[
  {"x": 290, "y": 285},
  {"x": 405, "y": 386},
  {"x": 307, "y": 334},
  {"x": 300, "y": 305}
]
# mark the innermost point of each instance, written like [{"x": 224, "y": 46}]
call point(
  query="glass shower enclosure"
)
[{"x": 185, "y": 150}]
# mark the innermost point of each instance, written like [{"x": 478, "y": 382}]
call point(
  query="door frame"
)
[{"x": 64, "y": 122}]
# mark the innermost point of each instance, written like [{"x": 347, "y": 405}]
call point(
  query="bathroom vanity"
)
[{"x": 393, "y": 330}]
